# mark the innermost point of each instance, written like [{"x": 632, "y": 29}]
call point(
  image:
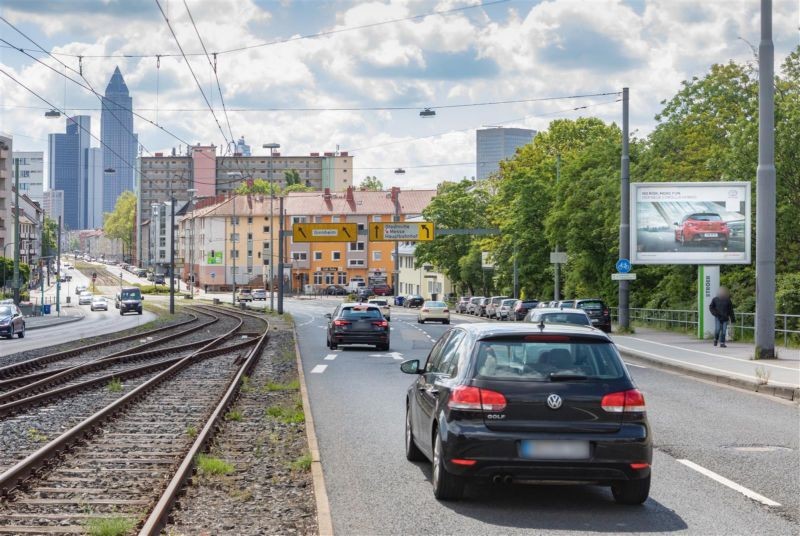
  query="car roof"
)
[
  {"x": 543, "y": 310},
  {"x": 485, "y": 330}
]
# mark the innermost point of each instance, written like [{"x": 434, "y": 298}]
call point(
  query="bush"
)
[{"x": 787, "y": 294}]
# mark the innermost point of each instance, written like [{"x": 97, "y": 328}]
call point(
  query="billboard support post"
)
[
  {"x": 707, "y": 288},
  {"x": 765, "y": 192},
  {"x": 625, "y": 214}
]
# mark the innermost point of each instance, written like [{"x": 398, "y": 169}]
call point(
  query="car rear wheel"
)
[
  {"x": 631, "y": 491},
  {"x": 446, "y": 486},
  {"x": 413, "y": 454},
  {"x": 21, "y": 334}
]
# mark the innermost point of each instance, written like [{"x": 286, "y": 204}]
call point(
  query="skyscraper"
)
[
  {"x": 118, "y": 140},
  {"x": 68, "y": 162},
  {"x": 496, "y": 144}
]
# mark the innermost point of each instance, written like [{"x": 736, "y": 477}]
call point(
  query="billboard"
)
[
  {"x": 214, "y": 257},
  {"x": 690, "y": 223}
]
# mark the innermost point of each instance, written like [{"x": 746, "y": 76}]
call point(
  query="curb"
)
[
  {"x": 324, "y": 520},
  {"x": 785, "y": 393},
  {"x": 65, "y": 320}
]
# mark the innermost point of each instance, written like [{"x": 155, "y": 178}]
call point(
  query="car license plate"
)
[
  {"x": 554, "y": 450},
  {"x": 711, "y": 235}
]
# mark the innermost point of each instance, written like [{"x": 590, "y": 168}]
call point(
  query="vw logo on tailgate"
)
[{"x": 554, "y": 401}]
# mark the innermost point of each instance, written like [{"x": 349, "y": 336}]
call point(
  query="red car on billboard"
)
[{"x": 702, "y": 227}]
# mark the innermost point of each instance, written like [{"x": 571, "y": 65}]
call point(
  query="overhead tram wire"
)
[
  {"x": 443, "y": 12},
  {"x": 191, "y": 70}
]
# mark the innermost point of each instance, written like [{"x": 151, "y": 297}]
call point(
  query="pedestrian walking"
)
[{"x": 722, "y": 309}]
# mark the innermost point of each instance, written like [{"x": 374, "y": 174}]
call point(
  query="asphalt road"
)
[
  {"x": 95, "y": 322},
  {"x": 357, "y": 399}
]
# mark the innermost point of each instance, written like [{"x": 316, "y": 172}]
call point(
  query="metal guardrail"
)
[{"x": 787, "y": 327}]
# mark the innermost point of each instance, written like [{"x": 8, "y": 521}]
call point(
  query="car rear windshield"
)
[
  {"x": 435, "y": 304},
  {"x": 562, "y": 318},
  {"x": 591, "y": 305},
  {"x": 130, "y": 295},
  {"x": 705, "y": 217},
  {"x": 526, "y": 360},
  {"x": 529, "y": 302},
  {"x": 508, "y": 303},
  {"x": 358, "y": 313}
]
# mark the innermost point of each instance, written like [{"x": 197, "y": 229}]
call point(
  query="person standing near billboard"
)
[{"x": 722, "y": 309}]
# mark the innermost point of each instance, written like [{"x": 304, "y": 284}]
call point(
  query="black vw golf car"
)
[
  {"x": 527, "y": 403},
  {"x": 357, "y": 323}
]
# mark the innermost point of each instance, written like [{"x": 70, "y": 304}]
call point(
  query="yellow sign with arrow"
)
[
  {"x": 325, "y": 232},
  {"x": 418, "y": 231}
]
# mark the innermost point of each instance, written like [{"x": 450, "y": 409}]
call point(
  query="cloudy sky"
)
[{"x": 470, "y": 52}]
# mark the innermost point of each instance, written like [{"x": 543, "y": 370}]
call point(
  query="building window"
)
[
  {"x": 266, "y": 229},
  {"x": 249, "y": 252},
  {"x": 361, "y": 227},
  {"x": 336, "y": 255},
  {"x": 356, "y": 263},
  {"x": 317, "y": 278},
  {"x": 341, "y": 278},
  {"x": 249, "y": 236},
  {"x": 265, "y": 246},
  {"x": 298, "y": 219},
  {"x": 334, "y": 219},
  {"x": 299, "y": 256},
  {"x": 249, "y": 219},
  {"x": 161, "y": 242},
  {"x": 235, "y": 220},
  {"x": 317, "y": 255},
  {"x": 329, "y": 278},
  {"x": 356, "y": 246},
  {"x": 376, "y": 218},
  {"x": 235, "y": 253},
  {"x": 376, "y": 255}
]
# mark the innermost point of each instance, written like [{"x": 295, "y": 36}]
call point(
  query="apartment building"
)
[
  {"x": 246, "y": 228},
  {"x": 53, "y": 204},
  {"x": 31, "y": 173},
  {"x": 30, "y": 229},
  {"x": 423, "y": 280},
  {"x": 6, "y": 180}
]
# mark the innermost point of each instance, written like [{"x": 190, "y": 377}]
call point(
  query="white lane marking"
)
[
  {"x": 632, "y": 365},
  {"x": 310, "y": 316},
  {"x": 330, "y": 357},
  {"x": 724, "y": 371},
  {"x": 706, "y": 353},
  {"x": 731, "y": 484},
  {"x": 319, "y": 369}
]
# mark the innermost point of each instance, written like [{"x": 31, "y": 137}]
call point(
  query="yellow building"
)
[{"x": 216, "y": 223}]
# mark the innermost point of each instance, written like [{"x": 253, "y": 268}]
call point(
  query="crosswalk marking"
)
[
  {"x": 319, "y": 369},
  {"x": 330, "y": 357}
]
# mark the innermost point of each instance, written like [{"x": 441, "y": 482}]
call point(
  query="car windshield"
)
[
  {"x": 435, "y": 304},
  {"x": 593, "y": 305},
  {"x": 705, "y": 217},
  {"x": 5, "y": 310},
  {"x": 359, "y": 313},
  {"x": 130, "y": 295},
  {"x": 562, "y": 318},
  {"x": 517, "y": 358}
]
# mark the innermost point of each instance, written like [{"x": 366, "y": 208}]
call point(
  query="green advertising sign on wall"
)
[{"x": 215, "y": 257}]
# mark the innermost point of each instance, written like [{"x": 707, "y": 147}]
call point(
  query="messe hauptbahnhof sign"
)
[{"x": 419, "y": 231}]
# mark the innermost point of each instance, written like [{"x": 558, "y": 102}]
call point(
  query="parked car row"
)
[{"x": 595, "y": 310}]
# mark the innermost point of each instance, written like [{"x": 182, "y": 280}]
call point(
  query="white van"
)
[{"x": 356, "y": 283}]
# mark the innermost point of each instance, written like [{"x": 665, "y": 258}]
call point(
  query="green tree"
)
[
  {"x": 256, "y": 187},
  {"x": 49, "y": 238},
  {"x": 372, "y": 184},
  {"x": 292, "y": 177},
  {"x": 297, "y": 188},
  {"x": 457, "y": 205},
  {"x": 120, "y": 223}
]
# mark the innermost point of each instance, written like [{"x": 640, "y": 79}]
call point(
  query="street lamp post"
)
[
  {"x": 17, "y": 242},
  {"x": 192, "y": 193},
  {"x": 271, "y": 147}
]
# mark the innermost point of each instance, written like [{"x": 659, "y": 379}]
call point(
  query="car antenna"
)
[{"x": 541, "y": 324}]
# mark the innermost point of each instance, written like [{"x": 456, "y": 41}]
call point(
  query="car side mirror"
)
[
  {"x": 410, "y": 367},
  {"x": 675, "y": 223},
  {"x": 142, "y": 297},
  {"x": 328, "y": 315}
]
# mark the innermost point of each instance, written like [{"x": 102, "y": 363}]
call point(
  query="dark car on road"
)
[
  {"x": 521, "y": 308},
  {"x": 382, "y": 290},
  {"x": 129, "y": 300},
  {"x": 335, "y": 290},
  {"x": 702, "y": 227},
  {"x": 515, "y": 402},
  {"x": 597, "y": 311},
  {"x": 357, "y": 323},
  {"x": 159, "y": 279},
  {"x": 414, "y": 300},
  {"x": 474, "y": 305},
  {"x": 11, "y": 321}
]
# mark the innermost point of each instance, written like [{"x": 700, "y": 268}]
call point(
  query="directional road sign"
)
[
  {"x": 623, "y": 277},
  {"x": 400, "y": 232},
  {"x": 325, "y": 232},
  {"x": 623, "y": 266}
]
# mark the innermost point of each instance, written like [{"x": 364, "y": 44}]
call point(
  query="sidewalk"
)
[
  {"x": 68, "y": 314},
  {"x": 732, "y": 365}
]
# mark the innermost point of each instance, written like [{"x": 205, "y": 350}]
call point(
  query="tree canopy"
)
[
  {"x": 120, "y": 223},
  {"x": 372, "y": 184}
]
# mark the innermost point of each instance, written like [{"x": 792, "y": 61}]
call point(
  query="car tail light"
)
[
  {"x": 426, "y": 310},
  {"x": 341, "y": 322},
  {"x": 605, "y": 311},
  {"x": 462, "y": 461},
  {"x": 381, "y": 323},
  {"x": 623, "y": 402},
  {"x": 470, "y": 398},
  {"x": 638, "y": 466},
  {"x": 446, "y": 311}
]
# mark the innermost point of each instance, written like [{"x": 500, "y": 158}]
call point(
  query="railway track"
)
[{"x": 115, "y": 462}]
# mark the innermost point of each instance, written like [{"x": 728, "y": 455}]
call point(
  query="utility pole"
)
[
  {"x": 280, "y": 256},
  {"x": 234, "y": 250},
  {"x": 765, "y": 192},
  {"x": 625, "y": 213},
  {"x": 557, "y": 266},
  {"x": 172, "y": 254},
  {"x": 17, "y": 240},
  {"x": 58, "y": 268},
  {"x": 516, "y": 275},
  {"x": 271, "y": 287},
  {"x": 396, "y": 275}
]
